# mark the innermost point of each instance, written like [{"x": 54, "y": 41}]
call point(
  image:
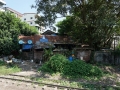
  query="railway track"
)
[{"x": 26, "y": 79}]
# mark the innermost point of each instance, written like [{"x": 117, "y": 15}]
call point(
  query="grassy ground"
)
[
  {"x": 81, "y": 83},
  {"x": 109, "y": 81},
  {"x": 8, "y": 68}
]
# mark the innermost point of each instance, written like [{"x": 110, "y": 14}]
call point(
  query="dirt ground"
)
[{"x": 28, "y": 69}]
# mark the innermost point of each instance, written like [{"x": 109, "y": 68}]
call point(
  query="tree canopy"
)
[
  {"x": 10, "y": 28},
  {"x": 92, "y": 21}
]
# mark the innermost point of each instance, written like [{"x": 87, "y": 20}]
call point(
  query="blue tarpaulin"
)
[
  {"x": 27, "y": 46},
  {"x": 70, "y": 58},
  {"x": 53, "y": 34},
  {"x": 43, "y": 40}
]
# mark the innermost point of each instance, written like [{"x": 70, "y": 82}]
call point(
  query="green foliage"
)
[
  {"x": 80, "y": 33},
  {"x": 47, "y": 54},
  {"x": 2, "y": 63},
  {"x": 26, "y": 29},
  {"x": 76, "y": 68},
  {"x": 8, "y": 33},
  {"x": 92, "y": 22},
  {"x": 10, "y": 28},
  {"x": 66, "y": 26},
  {"x": 8, "y": 69},
  {"x": 79, "y": 68},
  {"x": 55, "y": 64},
  {"x": 117, "y": 28},
  {"x": 118, "y": 46}
]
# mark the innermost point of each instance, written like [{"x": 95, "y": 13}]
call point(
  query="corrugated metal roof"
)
[{"x": 54, "y": 39}]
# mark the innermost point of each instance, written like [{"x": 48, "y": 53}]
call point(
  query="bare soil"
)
[{"x": 28, "y": 69}]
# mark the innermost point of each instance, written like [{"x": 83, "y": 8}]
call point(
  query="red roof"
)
[{"x": 53, "y": 39}]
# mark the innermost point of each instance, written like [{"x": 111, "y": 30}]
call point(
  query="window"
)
[
  {"x": 24, "y": 18},
  {"x": 30, "y": 22},
  {"x": 31, "y": 17}
]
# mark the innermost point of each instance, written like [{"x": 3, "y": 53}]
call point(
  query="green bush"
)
[
  {"x": 80, "y": 68},
  {"x": 2, "y": 63},
  {"x": 55, "y": 64},
  {"x": 76, "y": 68}
]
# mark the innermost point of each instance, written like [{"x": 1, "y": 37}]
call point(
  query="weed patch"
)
[{"x": 76, "y": 68}]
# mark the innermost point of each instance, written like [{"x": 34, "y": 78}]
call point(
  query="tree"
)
[
  {"x": 10, "y": 28},
  {"x": 93, "y": 19},
  {"x": 68, "y": 27},
  {"x": 26, "y": 29}
]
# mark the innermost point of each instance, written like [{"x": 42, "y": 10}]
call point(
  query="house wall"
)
[
  {"x": 25, "y": 56},
  {"x": 30, "y": 19},
  {"x": 38, "y": 56},
  {"x": 16, "y": 13},
  {"x": 1, "y": 8},
  {"x": 83, "y": 55},
  {"x": 2, "y": 3},
  {"x": 107, "y": 57},
  {"x": 57, "y": 40},
  {"x": 103, "y": 56}
]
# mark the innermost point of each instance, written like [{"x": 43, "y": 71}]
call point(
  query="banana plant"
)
[{"x": 47, "y": 54}]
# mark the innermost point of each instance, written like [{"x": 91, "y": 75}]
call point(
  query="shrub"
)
[
  {"x": 76, "y": 68},
  {"x": 55, "y": 64},
  {"x": 80, "y": 68}
]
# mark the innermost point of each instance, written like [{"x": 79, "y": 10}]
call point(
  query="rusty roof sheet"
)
[{"x": 53, "y": 39}]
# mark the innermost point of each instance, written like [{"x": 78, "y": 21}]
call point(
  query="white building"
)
[
  {"x": 16, "y": 13},
  {"x": 30, "y": 19},
  {"x": 2, "y": 2}
]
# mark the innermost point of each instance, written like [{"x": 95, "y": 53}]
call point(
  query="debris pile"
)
[{"x": 10, "y": 59}]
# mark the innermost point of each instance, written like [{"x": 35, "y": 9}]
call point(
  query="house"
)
[
  {"x": 2, "y": 3},
  {"x": 30, "y": 19},
  {"x": 16, "y": 13},
  {"x": 60, "y": 44},
  {"x": 49, "y": 32}
]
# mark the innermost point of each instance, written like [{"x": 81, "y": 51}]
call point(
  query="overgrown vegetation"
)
[
  {"x": 8, "y": 69},
  {"x": 76, "y": 68},
  {"x": 47, "y": 53},
  {"x": 71, "y": 74},
  {"x": 55, "y": 64},
  {"x": 79, "y": 68}
]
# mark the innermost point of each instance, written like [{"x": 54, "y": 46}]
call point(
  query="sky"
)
[{"x": 22, "y": 6}]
